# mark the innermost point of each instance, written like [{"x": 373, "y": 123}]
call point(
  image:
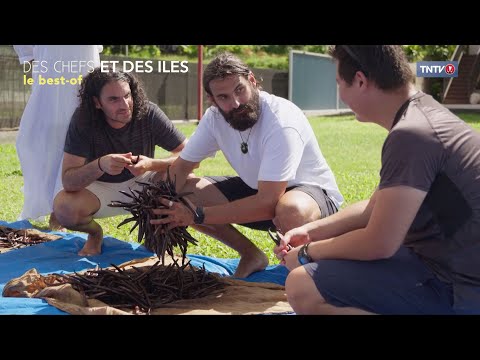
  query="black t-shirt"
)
[{"x": 91, "y": 139}]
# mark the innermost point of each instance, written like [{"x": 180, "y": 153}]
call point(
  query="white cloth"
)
[
  {"x": 24, "y": 52},
  {"x": 281, "y": 147},
  {"x": 45, "y": 121}
]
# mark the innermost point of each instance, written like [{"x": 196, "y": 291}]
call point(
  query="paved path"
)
[{"x": 8, "y": 137}]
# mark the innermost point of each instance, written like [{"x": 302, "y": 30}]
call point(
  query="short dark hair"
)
[
  {"x": 223, "y": 65},
  {"x": 93, "y": 84},
  {"x": 386, "y": 65}
]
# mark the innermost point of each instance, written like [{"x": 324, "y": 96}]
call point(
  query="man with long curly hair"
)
[{"x": 110, "y": 144}]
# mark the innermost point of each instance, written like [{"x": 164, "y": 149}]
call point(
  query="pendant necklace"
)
[{"x": 244, "y": 144}]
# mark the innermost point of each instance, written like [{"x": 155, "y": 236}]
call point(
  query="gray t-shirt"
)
[
  {"x": 432, "y": 150},
  {"x": 91, "y": 139}
]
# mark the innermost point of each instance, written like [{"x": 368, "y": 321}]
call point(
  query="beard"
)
[{"x": 246, "y": 115}]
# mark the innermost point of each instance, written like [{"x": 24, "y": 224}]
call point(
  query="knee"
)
[
  {"x": 302, "y": 293},
  {"x": 289, "y": 215},
  {"x": 65, "y": 209}
]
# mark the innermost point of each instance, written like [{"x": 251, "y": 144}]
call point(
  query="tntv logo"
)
[{"x": 437, "y": 69}]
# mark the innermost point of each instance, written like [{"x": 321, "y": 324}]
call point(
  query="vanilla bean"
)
[{"x": 19, "y": 238}]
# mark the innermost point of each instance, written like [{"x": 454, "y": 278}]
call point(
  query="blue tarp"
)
[{"x": 60, "y": 256}]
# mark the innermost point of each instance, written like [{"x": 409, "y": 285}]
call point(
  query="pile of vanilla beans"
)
[
  {"x": 146, "y": 288},
  {"x": 16, "y": 239},
  {"x": 150, "y": 287}
]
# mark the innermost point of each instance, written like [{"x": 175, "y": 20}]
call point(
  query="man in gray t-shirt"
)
[
  {"x": 109, "y": 145},
  {"x": 413, "y": 247}
]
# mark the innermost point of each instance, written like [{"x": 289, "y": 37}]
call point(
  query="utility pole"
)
[{"x": 199, "y": 83}]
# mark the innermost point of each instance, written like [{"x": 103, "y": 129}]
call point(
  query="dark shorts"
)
[
  {"x": 234, "y": 188},
  {"x": 401, "y": 285}
]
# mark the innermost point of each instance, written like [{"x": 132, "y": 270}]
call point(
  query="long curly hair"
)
[{"x": 93, "y": 84}]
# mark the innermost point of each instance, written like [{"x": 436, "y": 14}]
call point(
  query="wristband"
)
[
  {"x": 199, "y": 215},
  {"x": 99, "y": 164},
  {"x": 303, "y": 257}
]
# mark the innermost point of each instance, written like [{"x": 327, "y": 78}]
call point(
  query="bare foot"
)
[
  {"x": 250, "y": 263},
  {"x": 93, "y": 246},
  {"x": 54, "y": 225}
]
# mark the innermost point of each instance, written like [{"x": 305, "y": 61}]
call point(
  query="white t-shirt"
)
[{"x": 281, "y": 147}]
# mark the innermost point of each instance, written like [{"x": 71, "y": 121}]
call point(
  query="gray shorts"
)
[
  {"x": 234, "y": 188},
  {"x": 108, "y": 192}
]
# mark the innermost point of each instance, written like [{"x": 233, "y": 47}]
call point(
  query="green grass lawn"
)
[{"x": 352, "y": 150}]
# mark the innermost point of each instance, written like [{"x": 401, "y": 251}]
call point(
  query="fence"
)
[
  {"x": 13, "y": 94},
  {"x": 175, "y": 93}
]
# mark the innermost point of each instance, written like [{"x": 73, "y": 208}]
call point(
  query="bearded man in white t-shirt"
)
[{"x": 282, "y": 176}]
